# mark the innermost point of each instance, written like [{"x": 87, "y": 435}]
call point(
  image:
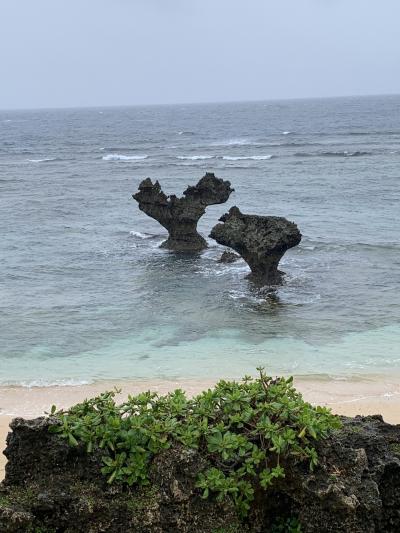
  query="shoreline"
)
[{"x": 359, "y": 395}]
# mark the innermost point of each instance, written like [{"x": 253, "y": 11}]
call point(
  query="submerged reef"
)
[
  {"x": 244, "y": 457},
  {"x": 180, "y": 216},
  {"x": 260, "y": 240}
]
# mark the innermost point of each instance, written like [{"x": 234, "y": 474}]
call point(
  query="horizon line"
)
[{"x": 208, "y": 102}]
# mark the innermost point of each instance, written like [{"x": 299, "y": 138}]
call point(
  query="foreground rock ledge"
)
[
  {"x": 52, "y": 487},
  {"x": 180, "y": 216},
  {"x": 260, "y": 240}
]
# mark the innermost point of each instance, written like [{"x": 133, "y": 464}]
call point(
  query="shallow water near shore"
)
[{"x": 87, "y": 294}]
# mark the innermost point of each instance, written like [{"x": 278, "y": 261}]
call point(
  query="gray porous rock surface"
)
[
  {"x": 180, "y": 216},
  {"x": 228, "y": 257},
  {"x": 52, "y": 487},
  {"x": 260, "y": 240}
]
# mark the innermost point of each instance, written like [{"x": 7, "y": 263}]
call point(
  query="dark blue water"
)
[{"x": 87, "y": 294}]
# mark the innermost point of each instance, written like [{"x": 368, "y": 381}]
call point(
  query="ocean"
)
[{"x": 87, "y": 294}]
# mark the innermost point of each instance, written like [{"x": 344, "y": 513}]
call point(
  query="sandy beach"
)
[{"x": 359, "y": 396}]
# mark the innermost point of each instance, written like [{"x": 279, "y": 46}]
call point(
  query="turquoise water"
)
[{"x": 87, "y": 294}]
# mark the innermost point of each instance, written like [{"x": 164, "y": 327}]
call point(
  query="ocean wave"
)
[
  {"x": 362, "y": 133},
  {"x": 36, "y": 383},
  {"x": 305, "y": 154},
  {"x": 358, "y": 133},
  {"x": 234, "y": 142},
  {"x": 263, "y": 143},
  {"x": 244, "y": 157},
  {"x": 44, "y": 160},
  {"x": 140, "y": 235},
  {"x": 352, "y": 133},
  {"x": 115, "y": 148},
  {"x": 122, "y": 148},
  {"x": 287, "y": 133},
  {"x": 288, "y": 144},
  {"x": 341, "y": 153},
  {"x": 345, "y": 153},
  {"x": 195, "y": 157},
  {"x": 120, "y": 157},
  {"x": 222, "y": 269},
  {"x": 311, "y": 245},
  {"x": 294, "y": 143}
]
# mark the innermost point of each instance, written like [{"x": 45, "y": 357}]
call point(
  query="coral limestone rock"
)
[
  {"x": 51, "y": 486},
  {"x": 180, "y": 216},
  {"x": 260, "y": 240},
  {"x": 228, "y": 257}
]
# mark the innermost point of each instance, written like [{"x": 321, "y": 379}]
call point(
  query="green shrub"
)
[
  {"x": 245, "y": 429},
  {"x": 289, "y": 525}
]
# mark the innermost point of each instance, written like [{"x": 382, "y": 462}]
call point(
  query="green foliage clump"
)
[
  {"x": 4, "y": 500},
  {"x": 245, "y": 429},
  {"x": 289, "y": 525},
  {"x": 395, "y": 448}
]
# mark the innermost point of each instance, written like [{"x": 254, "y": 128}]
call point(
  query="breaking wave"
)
[
  {"x": 44, "y": 160},
  {"x": 120, "y": 157},
  {"x": 244, "y": 157},
  {"x": 140, "y": 235},
  {"x": 194, "y": 157},
  {"x": 343, "y": 153},
  {"x": 234, "y": 142}
]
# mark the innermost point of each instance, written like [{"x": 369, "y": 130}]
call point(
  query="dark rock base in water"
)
[
  {"x": 50, "y": 486},
  {"x": 228, "y": 257}
]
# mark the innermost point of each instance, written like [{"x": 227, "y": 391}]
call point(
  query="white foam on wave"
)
[
  {"x": 344, "y": 153},
  {"x": 140, "y": 235},
  {"x": 245, "y": 297},
  {"x": 244, "y": 157},
  {"x": 287, "y": 132},
  {"x": 222, "y": 269},
  {"x": 233, "y": 142},
  {"x": 36, "y": 383},
  {"x": 44, "y": 160},
  {"x": 121, "y": 157},
  {"x": 195, "y": 157}
]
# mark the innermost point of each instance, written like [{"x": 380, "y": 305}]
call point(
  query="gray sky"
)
[{"x": 56, "y": 53}]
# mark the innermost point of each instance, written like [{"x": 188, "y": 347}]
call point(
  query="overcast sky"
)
[{"x": 56, "y": 53}]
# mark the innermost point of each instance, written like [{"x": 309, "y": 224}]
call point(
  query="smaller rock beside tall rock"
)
[
  {"x": 260, "y": 240},
  {"x": 228, "y": 257}
]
